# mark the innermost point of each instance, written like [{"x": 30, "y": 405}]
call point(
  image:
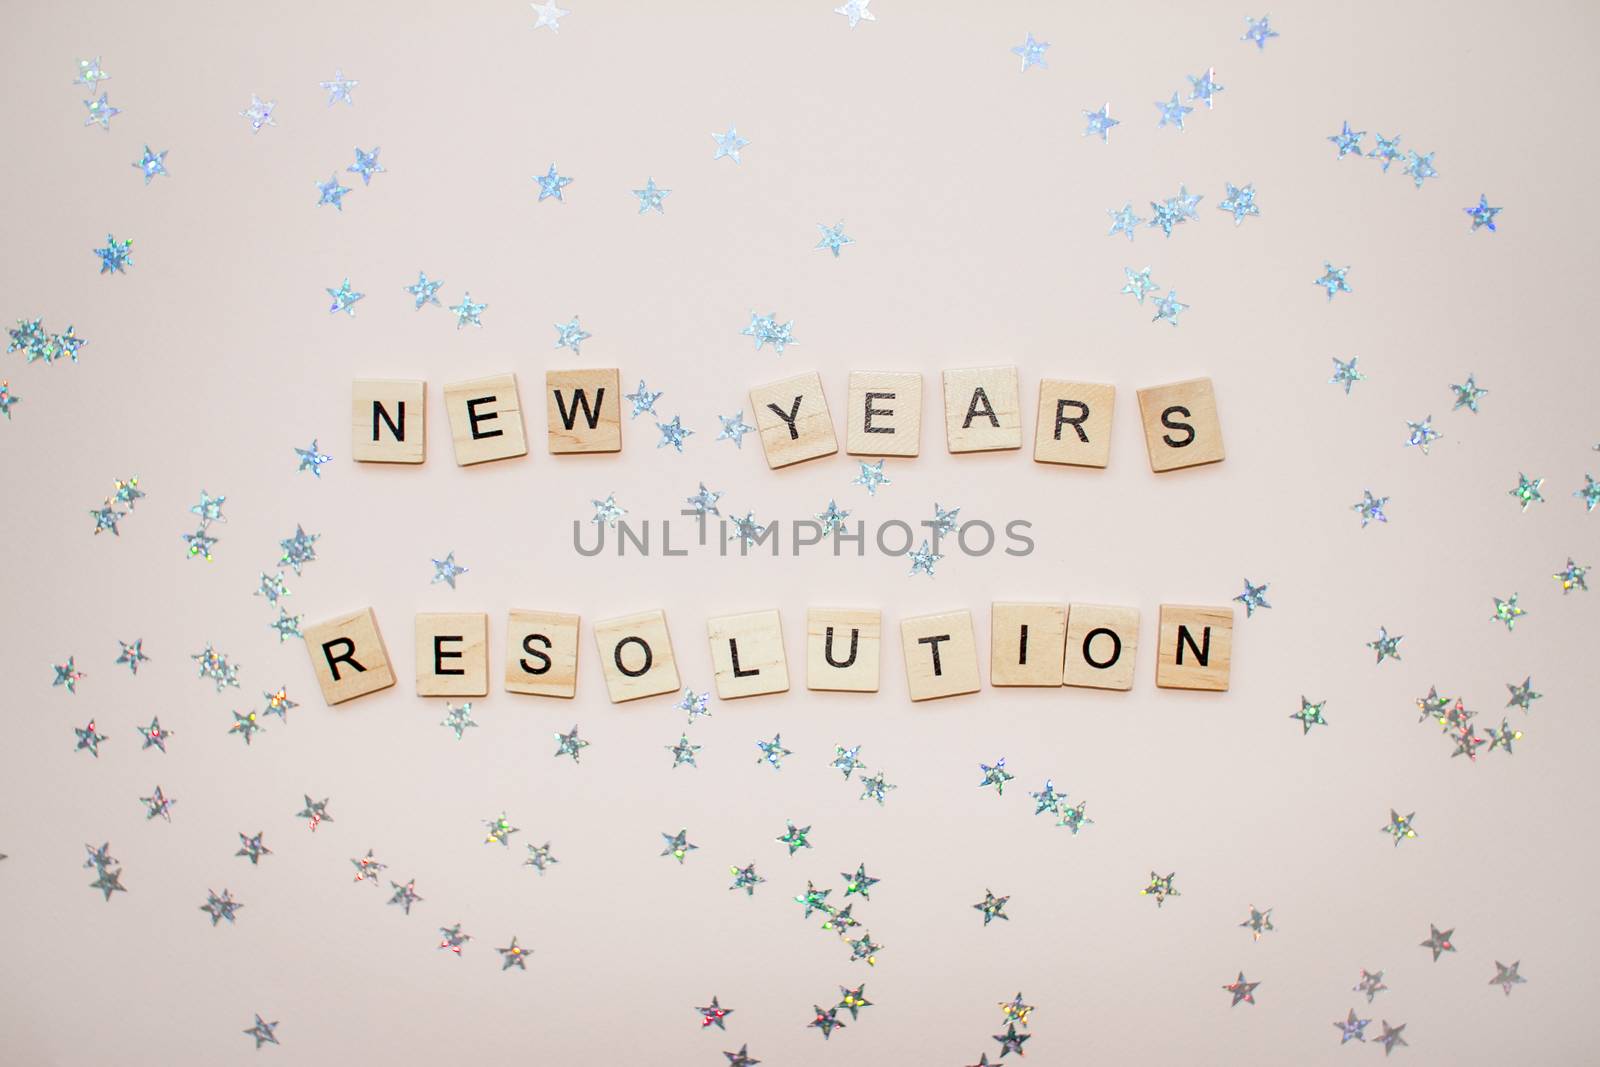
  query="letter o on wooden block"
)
[
  {"x": 941, "y": 655},
  {"x": 1102, "y": 646},
  {"x": 636, "y": 656},
  {"x": 348, "y": 657},
  {"x": 1196, "y": 649}
]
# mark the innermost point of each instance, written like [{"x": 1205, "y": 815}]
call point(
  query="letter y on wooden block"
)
[
  {"x": 941, "y": 655},
  {"x": 982, "y": 412},
  {"x": 843, "y": 648},
  {"x": 636, "y": 656},
  {"x": 1026, "y": 643},
  {"x": 883, "y": 416},
  {"x": 452, "y": 654},
  {"x": 485, "y": 419},
  {"x": 1180, "y": 425},
  {"x": 584, "y": 408},
  {"x": 747, "y": 654},
  {"x": 388, "y": 421},
  {"x": 541, "y": 653},
  {"x": 348, "y": 657},
  {"x": 1196, "y": 648},
  {"x": 792, "y": 418}
]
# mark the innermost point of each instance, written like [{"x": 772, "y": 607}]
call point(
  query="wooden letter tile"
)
[
  {"x": 981, "y": 410},
  {"x": 348, "y": 657},
  {"x": 452, "y": 654},
  {"x": 941, "y": 655},
  {"x": 1196, "y": 648},
  {"x": 1102, "y": 645},
  {"x": 1074, "y": 423},
  {"x": 541, "y": 653},
  {"x": 747, "y": 654},
  {"x": 792, "y": 417},
  {"x": 584, "y": 408},
  {"x": 884, "y": 414},
  {"x": 842, "y": 649},
  {"x": 636, "y": 656},
  {"x": 1180, "y": 425},
  {"x": 485, "y": 419},
  {"x": 387, "y": 421},
  {"x": 1026, "y": 643}
]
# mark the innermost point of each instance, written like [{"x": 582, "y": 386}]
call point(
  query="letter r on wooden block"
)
[
  {"x": 843, "y": 647},
  {"x": 1180, "y": 425},
  {"x": 1074, "y": 423},
  {"x": 584, "y": 408},
  {"x": 792, "y": 418},
  {"x": 636, "y": 656},
  {"x": 747, "y": 654},
  {"x": 1196, "y": 649},
  {"x": 485, "y": 419},
  {"x": 387, "y": 421},
  {"x": 941, "y": 655},
  {"x": 883, "y": 416},
  {"x": 1102, "y": 646},
  {"x": 348, "y": 657},
  {"x": 1026, "y": 642},
  {"x": 981, "y": 410},
  {"x": 452, "y": 654},
  {"x": 541, "y": 653}
]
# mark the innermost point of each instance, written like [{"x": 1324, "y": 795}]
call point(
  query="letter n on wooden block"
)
[
  {"x": 542, "y": 653},
  {"x": 636, "y": 656},
  {"x": 843, "y": 647},
  {"x": 584, "y": 408},
  {"x": 1180, "y": 425},
  {"x": 1102, "y": 646},
  {"x": 1026, "y": 642},
  {"x": 485, "y": 419},
  {"x": 387, "y": 421},
  {"x": 1074, "y": 423},
  {"x": 941, "y": 655},
  {"x": 1196, "y": 650},
  {"x": 792, "y": 418},
  {"x": 982, "y": 412},
  {"x": 747, "y": 654},
  {"x": 348, "y": 657},
  {"x": 452, "y": 654},
  {"x": 883, "y": 416}
]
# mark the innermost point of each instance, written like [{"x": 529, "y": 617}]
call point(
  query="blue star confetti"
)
[
  {"x": 445, "y": 570},
  {"x": 551, "y": 184},
  {"x": 1258, "y": 31},
  {"x": 1333, "y": 280},
  {"x": 1241, "y": 200},
  {"x": 673, "y": 433},
  {"x": 1099, "y": 123},
  {"x": 154, "y": 164},
  {"x": 1468, "y": 394},
  {"x": 728, "y": 144},
  {"x": 871, "y": 477},
  {"x": 1346, "y": 374},
  {"x": 100, "y": 112},
  {"x": 1123, "y": 220},
  {"x": 1371, "y": 508},
  {"x": 259, "y": 113},
  {"x": 367, "y": 164},
  {"x": 1420, "y": 167},
  {"x": 650, "y": 197},
  {"x": 116, "y": 257},
  {"x": 338, "y": 88},
  {"x": 1348, "y": 141},
  {"x": 344, "y": 299},
  {"x": 1203, "y": 87},
  {"x": 734, "y": 428},
  {"x": 1253, "y": 597},
  {"x": 1172, "y": 112},
  {"x": 424, "y": 291},
  {"x": 766, "y": 329},
  {"x": 467, "y": 312},
  {"x": 570, "y": 335},
  {"x": 642, "y": 399},
  {"x": 311, "y": 459},
  {"x": 1386, "y": 150},
  {"x": 331, "y": 192},
  {"x": 1031, "y": 52},
  {"x": 1139, "y": 283},
  {"x": 1168, "y": 308},
  {"x": 1483, "y": 215},
  {"x": 833, "y": 238}
]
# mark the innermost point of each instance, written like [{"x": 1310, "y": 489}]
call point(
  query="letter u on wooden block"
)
[
  {"x": 485, "y": 419},
  {"x": 843, "y": 647},
  {"x": 982, "y": 412},
  {"x": 452, "y": 654},
  {"x": 1196, "y": 649},
  {"x": 348, "y": 657},
  {"x": 636, "y": 656},
  {"x": 1026, "y": 642},
  {"x": 1074, "y": 423},
  {"x": 883, "y": 416},
  {"x": 941, "y": 655},
  {"x": 792, "y": 418},
  {"x": 1102, "y": 646},
  {"x": 747, "y": 654},
  {"x": 1180, "y": 425},
  {"x": 584, "y": 408},
  {"x": 388, "y": 421},
  {"x": 542, "y": 653}
]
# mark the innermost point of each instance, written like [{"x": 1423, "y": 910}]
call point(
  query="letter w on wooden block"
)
[
  {"x": 584, "y": 409},
  {"x": 843, "y": 646},
  {"x": 1026, "y": 643},
  {"x": 883, "y": 416},
  {"x": 1074, "y": 423},
  {"x": 387, "y": 421},
  {"x": 792, "y": 418},
  {"x": 1180, "y": 425},
  {"x": 747, "y": 654},
  {"x": 1102, "y": 646},
  {"x": 982, "y": 412},
  {"x": 941, "y": 655},
  {"x": 542, "y": 653},
  {"x": 452, "y": 655},
  {"x": 1196, "y": 649},
  {"x": 348, "y": 657},
  {"x": 636, "y": 656},
  {"x": 485, "y": 419}
]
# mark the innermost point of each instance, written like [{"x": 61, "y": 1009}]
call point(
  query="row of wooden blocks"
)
[
  {"x": 982, "y": 413},
  {"x": 1086, "y": 645}
]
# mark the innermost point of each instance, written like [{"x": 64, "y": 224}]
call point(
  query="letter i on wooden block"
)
[
  {"x": 843, "y": 647},
  {"x": 542, "y": 653},
  {"x": 1102, "y": 646},
  {"x": 348, "y": 657},
  {"x": 883, "y": 415},
  {"x": 636, "y": 656},
  {"x": 452, "y": 655},
  {"x": 982, "y": 412},
  {"x": 387, "y": 421},
  {"x": 792, "y": 418},
  {"x": 485, "y": 419},
  {"x": 1196, "y": 649},
  {"x": 1074, "y": 423},
  {"x": 1026, "y": 643},
  {"x": 941, "y": 655},
  {"x": 584, "y": 408},
  {"x": 1180, "y": 425},
  {"x": 747, "y": 654}
]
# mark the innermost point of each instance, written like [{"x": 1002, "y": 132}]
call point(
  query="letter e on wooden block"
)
[
  {"x": 792, "y": 418},
  {"x": 452, "y": 654},
  {"x": 1196, "y": 649},
  {"x": 747, "y": 654},
  {"x": 941, "y": 655},
  {"x": 1074, "y": 423},
  {"x": 883, "y": 416},
  {"x": 843, "y": 647},
  {"x": 388, "y": 421},
  {"x": 485, "y": 419},
  {"x": 542, "y": 653},
  {"x": 1180, "y": 425},
  {"x": 982, "y": 412},
  {"x": 1102, "y": 646},
  {"x": 636, "y": 656},
  {"x": 348, "y": 657},
  {"x": 1026, "y": 642},
  {"x": 584, "y": 408}
]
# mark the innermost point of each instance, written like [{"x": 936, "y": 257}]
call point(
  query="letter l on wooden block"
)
[
  {"x": 1196, "y": 648},
  {"x": 348, "y": 657},
  {"x": 747, "y": 654}
]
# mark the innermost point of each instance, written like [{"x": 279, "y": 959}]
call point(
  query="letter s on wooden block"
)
[
  {"x": 1102, "y": 646},
  {"x": 636, "y": 656},
  {"x": 1026, "y": 643},
  {"x": 747, "y": 654},
  {"x": 792, "y": 418},
  {"x": 843, "y": 647},
  {"x": 1180, "y": 425},
  {"x": 452, "y": 654},
  {"x": 941, "y": 655},
  {"x": 584, "y": 410},
  {"x": 982, "y": 412},
  {"x": 542, "y": 653},
  {"x": 883, "y": 416},
  {"x": 1196, "y": 648},
  {"x": 1074, "y": 423},
  {"x": 388, "y": 421},
  {"x": 485, "y": 419},
  {"x": 348, "y": 657}
]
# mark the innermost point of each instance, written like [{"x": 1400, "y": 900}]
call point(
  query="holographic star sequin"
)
[
  {"x": 7, "y": 399},
  {"x": 1100, "y": 123},
  {"x": 1203, "y": 87},
  {"x": 833, "y": 238},
  {"x": 923, "y": 560},
  {"x": 498, "y": 831},
  {"x": 745, "y": 878},
  {"x": 608, "y": 511},
  {"x": 1523, "y": 696},
  {"x": 316, "y": 813},
  {"x": 1309, "y": 715},
  {"x": 344, "y": 299},
  {"x": 1333, "y": 280},
  {"x": 451, "y": 937},
  {"x": 246, "y": 725},
  {"x": 467, "y": 313},
  {"x": 1172, "y": 112},
  {"x": 871, "y": 477},
  {"x": 650, "y": 197},
  {"x": 1258, "y": 31},
  {"x": 1421, "y": 434},
  {"x": 367, "y": 164},
  {"x": 368, "y": 868},
  {"x": 683, "y": 752},
  {"x": 795, "y": 837},
  {"x": 728, "y": 144},
  {"x": 1385, "y": 646},
  {"x": 1352, "y": 1028},
  {"x": 1125, "y": 221},
  {"x": 1371, "y": 508},
  {"x": 826, "y": 1020},
  {"x": 404, "y": 895},
  {"x": 549, "y": 15},
  {"x": 1253, "y": 597},
  {"x": 1347, "y": 141},
  {"x": 1139, "y": 283},
  {"x": 704, "y": 502},
  {"x": 259, "y": 113},
  {"x": 153, "y": 735},
  {"x": 569, "y": 744},
  {"x": 100, "y": 112},
  {"x": 551, "y": 184},
  {"x": 1590, "y": 493},
  {"x": 678, "y": 845},
  {"x": 860, "y": 883},
  {"x": 338, "y": 88},
  {"x": 1390, "y": 1037},
  {"x": 1031, "y": 52},
  {"x": 209, "y": 509},
  {"x": 772, "y": 753},
  {"x": 251, "y": 848},
  {"x": 873, "y": 787},
  {"x": 847, "y": 760},
  {"x": 1371, "y": 984},
  {"x": 713, "y": 1015},
  {"x": 1483, "y": 215},
  {"x": 1572, "y": 577},
  {"x": 132, "y": 655},
  {"x": 855, "y": 12},
  {"x": 514, "y": 955},
  {"x": 765, "y": 329},
  {"x": 220, "y": 907},
  {"x": 90, "y": 73},
  {"x": 262, "y": 1031},
  {"x": 115, "y": 257},
  {"x": 1241, "y": 990},
  {"x": 570, "y": 335},
  {"x": 154, "y": 164},
  {"x": 88, "y": 739},
  {"x": 1507, "y": 611},
  {"x": 734, "y": 428},
  {"x": 1386, "y": 151},
  {"x": 995, "y": 774},
  {"x": 853, "y": 1000},
  {"x": 445, "y": 570},
  {"x": 458, "y": 719},
  {"x": 747, "y": 531},
  {"x": 1160, "y": 887},
  {"x": 1527, "y": 490},
  {"x": 424, "y": 291},
  {"x": 157, "y": 803},
  {"x": 1168, "y": 308},
  {"x": 943, "y": 522},
  {"x": 1259, "y": 922},
  {"x": 1439, "y": 941},
  {"x": 1506, "y": 977},
  {"x": 1420, "y": 168},
  {"x": 1012, "y": 1041},
  {"x": 199, "y": 544},
  {"x": 695, "y": 704},
  {"x": 311, "y": 459},
  {"x": 105, "y": 518},
  {"x": 832, "y": 518},
  {"x": 286, "y": 626},
  {"x": 673, "y": 433},
  {"x": 331, "y": 192},
  {"x": 1399, "y": 827},
  {"x": 298, "y": 550},
  {"x": 642, "y": 399},
  {"x": 1241, "y": 200},
  {"x": 215, "y": 666},
  {"x": 1467, "y": 394}
]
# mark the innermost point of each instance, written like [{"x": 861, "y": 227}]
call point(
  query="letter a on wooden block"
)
[
  {"x": 842, "y": 649},
  {"x": 348, "y": 657},
  {"x": 941, "y": 655},
  {"x": 792, "y": 418},
  {"x": 747, "y": 654},
  {"x": 1074, "y": 423},
  {"x": 1102, "y": 646},
  {"x": 1180, "y": 425},
  {"x": 883, "y": 416},
  {"x": 584, "y": 408},
  {"x": 1026, "y": 642},
  {"x": 452, "y": 655},
  {"x": 542, "y": 653},
  {"x": 1196, "y": 649},
  {"x": 636, "y": 656},
  {"x": 485, "y": 419},
  {"x": 981, "y": 410},
  {"x": 387, "y": 421}
]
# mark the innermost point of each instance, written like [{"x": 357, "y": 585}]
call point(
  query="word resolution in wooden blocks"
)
[
  {"x": 584, "y": 410},
  {"x": 636, "y": 656},
  {"x": 388, "y": 421},
  {"x": 747, "y": 656},
  {"x": 843, "y": 647},
  {"x": 1180, "y": 425},
  {"x": 793, "y": 421},
  {"x": 452, "y": 654},
  {"x": 542, "y": 653},
  {"x": 883, "y": 416},
  {"x": 485, "y": 419},
  {"x": 1074, "y": 423},
  {"x": 982, "y": 412},
  {"x": 1196, "y": 648},
  {"x": 348, "y": 656},
  {"x": 941, "y": 655}
]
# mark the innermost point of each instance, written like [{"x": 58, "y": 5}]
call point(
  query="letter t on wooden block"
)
[
  {"x": 452, "y": 655},
  {"x": 584, "y": 408},
  {"x": 485, "y": 419},
  {"x": 842, "y": 649},
  {"x": 747, "y": 654},
  {"x": 636, "y": 656},
  {"x": 941, "y": 655},
  {"x": 348, "y": 657},
  {"x": 883, "y": 416},
  {"x": 387, "y": 421},
  {"x": 792, "y": 418},
  {"x": 1026, "y": 643},
  {"x": 541, "y": 653},
  {"x": 1180, "y": 425},
  {"x": 1196, "y": 649},
  {"x": 1074, "y": 423},
  {"x": 982, "y": 412}
]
